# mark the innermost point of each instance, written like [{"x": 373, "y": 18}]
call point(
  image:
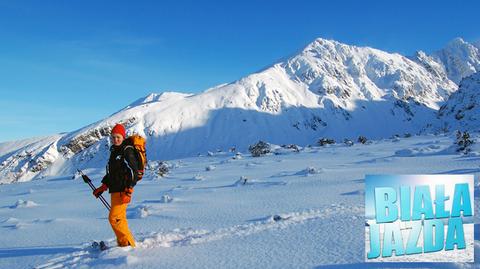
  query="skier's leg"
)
[
  {"x": 118, "y": 220},
  {"x": 113, "y": 215}
]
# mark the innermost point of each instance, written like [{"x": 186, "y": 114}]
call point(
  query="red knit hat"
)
[{"x": 119, "y": 129}]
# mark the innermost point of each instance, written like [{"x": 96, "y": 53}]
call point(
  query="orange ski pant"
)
[{"x": 118, "y": 220}]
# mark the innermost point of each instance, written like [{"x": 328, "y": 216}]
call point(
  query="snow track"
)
[{"x": 87, "y": 256}]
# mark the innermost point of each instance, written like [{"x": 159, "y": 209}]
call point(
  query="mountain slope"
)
[
  {"x": 462, "y": 110},
  {"x": 327, "y": 89},
  {"x": 25, "y": 159}
]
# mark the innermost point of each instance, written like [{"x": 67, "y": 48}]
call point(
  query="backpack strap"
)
[
  {"x": 128, "y": 146},
  {"x": 131, "y": 170}
]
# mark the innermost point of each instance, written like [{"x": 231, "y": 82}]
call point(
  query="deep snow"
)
[{"x": 207, "y": 218}]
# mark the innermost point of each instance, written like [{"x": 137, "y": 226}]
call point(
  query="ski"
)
[{"x": 100, "y": 245}]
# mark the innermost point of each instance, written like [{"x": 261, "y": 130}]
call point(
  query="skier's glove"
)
[
  {"x": 98, "y": 191},
  {"x": 126, "y": 195}
]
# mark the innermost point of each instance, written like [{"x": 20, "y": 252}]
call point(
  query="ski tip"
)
[
  {"x": 100, "y": 245},
  {"x": 103, "y": 246}
]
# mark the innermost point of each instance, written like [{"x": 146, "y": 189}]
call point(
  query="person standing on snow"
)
[{"x": 121, "y": 177}]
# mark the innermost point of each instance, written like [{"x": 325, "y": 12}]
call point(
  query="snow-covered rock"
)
[
  {"x": 310, "y": 171},
  {"x": 166, "y": 198},
  {"x": 24, "y": 204},
  {"x": 210, "y": 168}
]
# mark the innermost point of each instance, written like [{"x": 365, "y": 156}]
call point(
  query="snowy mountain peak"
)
[
  {"x": 345, "y": 73},
  {"x": 459, "y": 58},
  {"x": 321, "y": 44},
  {"x": 158, "y": 97},
  {"x": 457, "y": 42}
]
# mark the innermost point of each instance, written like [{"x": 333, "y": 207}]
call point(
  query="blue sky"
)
[{"x": 65, "y": 64}]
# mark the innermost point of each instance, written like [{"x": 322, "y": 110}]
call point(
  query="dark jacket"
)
[{"x": 122, "y": 168}]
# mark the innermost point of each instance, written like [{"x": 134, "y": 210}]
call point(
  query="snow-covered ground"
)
[{"x": 203, "y": 216}]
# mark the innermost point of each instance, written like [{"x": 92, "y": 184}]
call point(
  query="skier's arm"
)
[
  {"x": 106, "y": 178},
  {"x": 132, "y": 167}
]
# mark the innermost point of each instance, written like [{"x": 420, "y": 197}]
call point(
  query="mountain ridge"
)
[{"x": 327, "y": 89}]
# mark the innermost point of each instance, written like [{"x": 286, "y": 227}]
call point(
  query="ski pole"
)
[
  {"x": 87, "y": 180},
  {"x": 102, "y": 199}
]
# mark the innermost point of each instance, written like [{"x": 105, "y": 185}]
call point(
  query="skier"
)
[{"x": 121, "y": 176}]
